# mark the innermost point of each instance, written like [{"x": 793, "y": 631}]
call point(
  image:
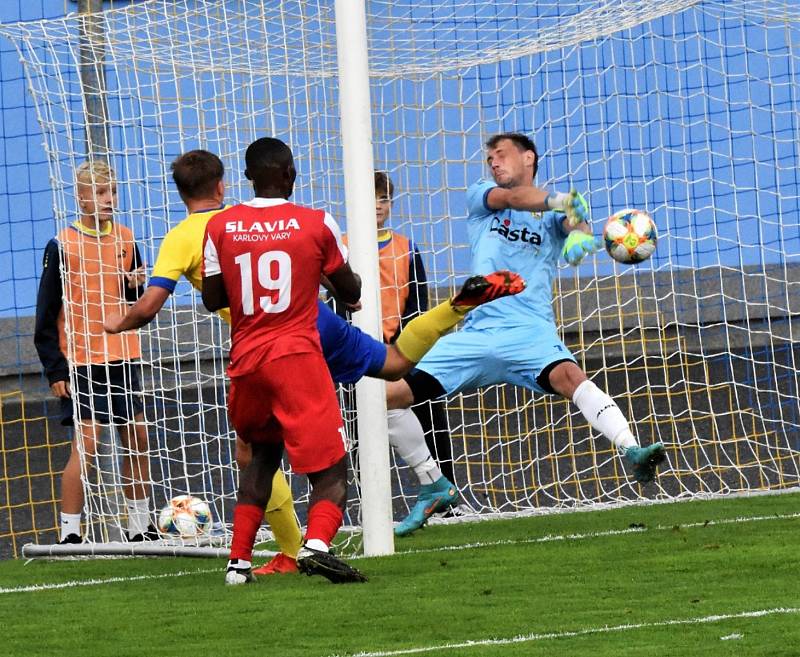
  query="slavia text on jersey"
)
[{"x": 261, "y": 230}]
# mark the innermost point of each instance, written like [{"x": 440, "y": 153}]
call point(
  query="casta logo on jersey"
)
[{"x": 505, "y": 228}]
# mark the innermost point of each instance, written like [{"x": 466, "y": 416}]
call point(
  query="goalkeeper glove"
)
[
  {"x": 573, "y": 205},
  {"x": 578, "y": 246}
]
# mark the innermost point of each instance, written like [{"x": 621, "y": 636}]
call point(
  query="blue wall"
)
[{"x": 643, "y": 121}]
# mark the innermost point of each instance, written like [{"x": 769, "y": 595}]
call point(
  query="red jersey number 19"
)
[{"x": 274, "y": 275}]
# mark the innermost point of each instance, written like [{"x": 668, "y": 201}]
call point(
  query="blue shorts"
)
[
  {"x": 475, "y": 358},
  {"x": 349, "y": 352},
  {"x": 105, "y": 394}
]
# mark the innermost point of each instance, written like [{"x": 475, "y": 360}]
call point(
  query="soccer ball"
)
[
  {"x": 185, "y": 516},
  {"x": 630, "y": 236}
]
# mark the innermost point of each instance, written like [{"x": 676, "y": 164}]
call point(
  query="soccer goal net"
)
[{"x": 687, "y": 109}]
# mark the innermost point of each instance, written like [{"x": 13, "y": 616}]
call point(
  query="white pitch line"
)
[
  {"x": 94, "y": 582},
  {"x": 446, "y": 548},
  {"x": 549, "y": 538},
  {"x": 527, "y": 638}
]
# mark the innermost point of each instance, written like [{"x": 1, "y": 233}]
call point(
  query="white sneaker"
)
[{"x": 236, "y": 575}]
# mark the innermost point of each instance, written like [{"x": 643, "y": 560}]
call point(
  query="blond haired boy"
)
[{"x": 102, "y": 272}]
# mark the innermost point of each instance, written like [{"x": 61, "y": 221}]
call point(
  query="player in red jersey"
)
[{"x": 264, "y": 259}]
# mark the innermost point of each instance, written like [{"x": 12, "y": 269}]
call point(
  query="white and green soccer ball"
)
[
  {"x": 185, "y": 516},
  {"x": 630, "y": 236}
]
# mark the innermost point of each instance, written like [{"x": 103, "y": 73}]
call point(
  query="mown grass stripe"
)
[
  {"x": 35, "y": 588},
  {"x": 549, "y": 538},
  {"x": 527, "y": 638}
]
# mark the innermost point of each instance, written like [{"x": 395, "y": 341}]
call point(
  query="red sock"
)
[
  {"x": 246, "y": 521},
  {"x": 324, "y": 520}
]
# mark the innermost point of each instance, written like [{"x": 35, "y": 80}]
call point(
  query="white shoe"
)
[{"x": 236, "y": 575}]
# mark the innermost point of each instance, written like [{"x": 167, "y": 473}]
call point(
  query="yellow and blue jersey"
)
[
  {"x": 349, "y": 352},
  {"x": 181, "y": 252}
]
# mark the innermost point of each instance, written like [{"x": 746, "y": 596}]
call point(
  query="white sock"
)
[
  {"x": 408, "y": 439},
  {"x": 604, "y": 415},
  {"x": 138, "y": 516},
  {"x": 70, "y": 524},
  {"x": 240, "y": 563},
  {"x": 317, "y": 544}
]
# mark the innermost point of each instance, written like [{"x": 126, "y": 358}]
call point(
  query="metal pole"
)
[
  {"x": 93, "y": 85},
  {"x": 93, "y": 79},
  {"x": 356, "y": 122}
]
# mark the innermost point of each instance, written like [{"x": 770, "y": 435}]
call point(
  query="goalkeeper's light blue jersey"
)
[{"x": 525, "y": 242}]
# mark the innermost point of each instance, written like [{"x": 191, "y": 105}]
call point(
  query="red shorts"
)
[{"x": 290, "y": 400}]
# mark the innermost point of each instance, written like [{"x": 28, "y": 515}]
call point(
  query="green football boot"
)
[
  {"x": 437, "y": 496},
  {"x": 645, "y": 460}
]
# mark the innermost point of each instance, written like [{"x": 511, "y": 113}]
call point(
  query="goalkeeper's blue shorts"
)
[{"x": 474, "y": 358}]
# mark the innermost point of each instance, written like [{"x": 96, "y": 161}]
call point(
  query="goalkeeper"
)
[
  {"x": 515, "y": 340},
  {"x": 350, "y": 353}
]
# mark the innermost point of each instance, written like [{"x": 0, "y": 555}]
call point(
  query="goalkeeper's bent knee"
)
[{"x": 422, "y": 332}]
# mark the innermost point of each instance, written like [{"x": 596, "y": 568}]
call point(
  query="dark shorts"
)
[{"x": 106, "y": 394}]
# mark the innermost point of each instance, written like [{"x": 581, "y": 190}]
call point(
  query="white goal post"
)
[
  {"x": 685, "y": 108},
  {"x": 356, "y": 127}
]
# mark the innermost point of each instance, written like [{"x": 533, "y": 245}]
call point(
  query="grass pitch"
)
[{"x": 706, "y": 578}]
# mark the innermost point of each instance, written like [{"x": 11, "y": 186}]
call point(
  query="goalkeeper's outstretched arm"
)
[
  {"x": 580, "y": 241},
  {"x": 533, "y": 199}
]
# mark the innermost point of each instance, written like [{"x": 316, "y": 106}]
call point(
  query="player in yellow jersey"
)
[{"x": 199, "y": 178}]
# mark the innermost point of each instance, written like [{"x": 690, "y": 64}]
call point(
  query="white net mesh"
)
[{"x": 686, "y": 109}]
